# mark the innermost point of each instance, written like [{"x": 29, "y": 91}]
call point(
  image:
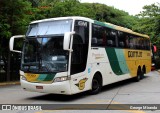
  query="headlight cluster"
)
[
  {"x": 23, "y": 77},
  {"x": 60, "y": 79}
]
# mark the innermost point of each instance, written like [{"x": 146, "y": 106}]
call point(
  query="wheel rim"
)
[{"x": 95, "y": 85}]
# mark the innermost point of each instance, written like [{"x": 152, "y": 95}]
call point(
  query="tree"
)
[
  {"x": 112, "y": 15},
  {"x": 101, "y": 12},
  {"x": 14, "y": 17},
  {"x": 149, "y": 22}
]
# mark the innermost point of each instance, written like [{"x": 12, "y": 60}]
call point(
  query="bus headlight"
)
[
  {"x": 60, "y": 79},
  {"x": 23, "y": 77}
]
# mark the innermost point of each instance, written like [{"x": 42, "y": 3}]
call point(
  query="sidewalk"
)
[{"x": 10, "y": 83}]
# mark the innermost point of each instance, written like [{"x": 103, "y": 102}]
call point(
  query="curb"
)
[{"x": 9, "y": 83}]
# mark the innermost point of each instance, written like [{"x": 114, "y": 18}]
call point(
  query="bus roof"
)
[
  {"x": 63, "y": 18},
  {"x": 109, "y": 25}
]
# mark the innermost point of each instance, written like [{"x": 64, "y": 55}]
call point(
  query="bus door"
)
[{"x": 79, "y": 55}]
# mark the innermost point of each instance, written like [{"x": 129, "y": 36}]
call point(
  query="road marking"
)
[
  {"x": 38, "y": 112},
  {"x": 135, "y": 111}
]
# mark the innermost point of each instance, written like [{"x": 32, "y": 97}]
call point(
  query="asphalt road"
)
[{"x": 147, "y": 91}]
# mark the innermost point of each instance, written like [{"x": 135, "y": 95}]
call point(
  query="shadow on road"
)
[{"x": 59, "y": 97}]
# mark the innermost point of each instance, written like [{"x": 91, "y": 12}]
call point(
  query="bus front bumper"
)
[{"x": 55, "y": 88}]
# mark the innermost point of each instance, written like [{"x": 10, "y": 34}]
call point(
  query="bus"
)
[{"x": 69, "y": 55}]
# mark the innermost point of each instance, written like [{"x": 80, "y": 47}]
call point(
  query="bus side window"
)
[
  {"x": 121, "y": 39},
  {"x": 138, "y": 44},
  {"x": 94, "y": 41},
  {"x": 98, "y": 36},
  {"x": 148, "y": 44},
  {"x": 110, "y": 43},
  {"x": 111, "y": 37},
  {"x": 133, "y": 42}
]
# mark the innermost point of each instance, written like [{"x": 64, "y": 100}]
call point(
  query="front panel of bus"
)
[{"x": 44, "y": 65}]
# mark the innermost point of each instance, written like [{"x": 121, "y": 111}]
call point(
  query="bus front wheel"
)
[{"x": 96, "y": 84}]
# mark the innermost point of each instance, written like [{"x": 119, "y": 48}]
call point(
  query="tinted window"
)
[
  {"x": 103, "y": 36},
  {"x": 111, "y": 38},
  {"x": 98, "y": 35}
]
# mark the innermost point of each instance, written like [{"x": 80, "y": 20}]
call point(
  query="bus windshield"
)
[
  {"x": 44, "y": 55},
  {"x": 43, "y": 48},
  {"x": 49, "y": 28}
]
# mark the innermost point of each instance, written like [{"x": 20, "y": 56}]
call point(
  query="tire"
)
[
  {"x": 96, "y": 84},
  {"x": 139, "y": 75},
  {"x": 142, "y": 75},
  {"x": 143, "y": 72}
]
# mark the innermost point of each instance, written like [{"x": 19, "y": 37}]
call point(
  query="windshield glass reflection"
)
[{"x": 44, "y": 55}]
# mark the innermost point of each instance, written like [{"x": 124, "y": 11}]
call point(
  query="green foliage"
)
[
  {"x": 150, "y": 10},
  {"x": 149, "y": 22},
  {"x": 101, "y": 12},
  {"x": 70, "y": 8},
  {"x": 14, "y": 18},
  {"x": 106, "y": 13}
]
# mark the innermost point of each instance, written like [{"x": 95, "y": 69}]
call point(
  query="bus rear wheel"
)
[
  {"x": 96, "y": 84},
  {"x": 139, "y": 75},
  {"x": 143, "y": 72}
]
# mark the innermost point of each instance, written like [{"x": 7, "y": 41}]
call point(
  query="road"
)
[{"x": 147, "y": 91}]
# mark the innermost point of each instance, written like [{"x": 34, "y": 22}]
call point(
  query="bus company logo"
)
[
  {"x": 134, "y": 54},
  {"x": 82, "y": 23},
  {"x": 81, "y": 83}
]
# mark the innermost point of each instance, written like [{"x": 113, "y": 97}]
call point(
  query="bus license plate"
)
[{"x": 39, "y": 87}]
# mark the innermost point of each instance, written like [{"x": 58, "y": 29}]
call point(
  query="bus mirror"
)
[
  {"x": 67, "y": 38},
  {"x": 11, "y": 43}
]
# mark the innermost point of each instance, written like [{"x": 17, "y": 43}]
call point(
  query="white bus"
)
[{"x": 69, "y": 55}]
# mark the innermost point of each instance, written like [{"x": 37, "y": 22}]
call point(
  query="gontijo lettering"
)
[{"x": 134, "y": 54}]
